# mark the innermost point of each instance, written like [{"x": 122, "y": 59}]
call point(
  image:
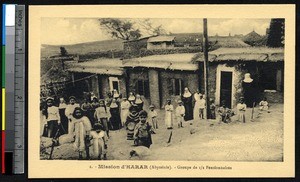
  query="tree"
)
[
  {"x": 120, "y": 29},
  {"x": 148, "y": 27},
  {"x": 275, "y": 36},
  {"x": 63, "y": 51}
]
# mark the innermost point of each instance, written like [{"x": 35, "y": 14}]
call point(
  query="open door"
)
[{"x": 226, "y": 88}]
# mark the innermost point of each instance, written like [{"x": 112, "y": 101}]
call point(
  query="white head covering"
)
[
  {"x": 138, "y": 99},
  {"x": 187, "y": 92},
  {"x": 248, "y": 78},
  {"x": 115, "y": 93},
  {"x": 113, "y": 104},
  {"x": 131, "y": 97}
]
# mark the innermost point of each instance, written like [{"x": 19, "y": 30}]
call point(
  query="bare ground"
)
[{"x": 258, "y": 140}]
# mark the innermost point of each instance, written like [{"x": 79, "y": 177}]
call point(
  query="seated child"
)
[
  {"x": 153, "y": 117},
  {"x": 224, "y": 113},
  {"x": 179, "y": 113},
  {"x": 99, "y": 141},
  {"x": 264, "y": 105}
]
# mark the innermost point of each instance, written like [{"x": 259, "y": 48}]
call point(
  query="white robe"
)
[
  {"x": 125, "y": 105},
  {"x": 99, "y": 140},
  {"x": 82, "y": 128},
  {"x": 69, "y": 112},
  {"x": 169, "y": 115},
  {"x": 179, "y": 112},
  {"x": 241, "y": 109}
]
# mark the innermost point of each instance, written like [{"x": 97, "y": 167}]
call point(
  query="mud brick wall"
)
[
  {"x": 190, "y": 80},
  {"x": 154, "y": 87},
  {"x": 274, "y": 97},
  {"x": 104, "y": 85},
  {"x": 135, "y": 75},
  {"x": 212, "y": 73}
]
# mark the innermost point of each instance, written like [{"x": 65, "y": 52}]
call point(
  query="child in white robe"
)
[
  {"x": 241, "y": 109},
  {"x": 179, "y": 113},
  {"x": 153, "y": 117},
  {"x": 264, "y": 105},
  {"x": 82, "y": 127},
  {"x": 99, "y": 141},
  {"x": 169, "y": 114}
]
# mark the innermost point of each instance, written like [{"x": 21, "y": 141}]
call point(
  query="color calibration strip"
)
[{"x": 13, "y": 61}]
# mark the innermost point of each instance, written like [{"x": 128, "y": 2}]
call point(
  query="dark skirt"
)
[
  {"x": 52, "y": 128},
  {"x": 140, "y": 106},
  {"x": 64, "y": 121},
  {"x": 115, "y": 119},
  {"x": 144, "y": 141},
  {"x": 188, "y": 108}
]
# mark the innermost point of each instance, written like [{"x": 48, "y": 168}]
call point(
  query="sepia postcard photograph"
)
[{"x": 158, "y": 91}]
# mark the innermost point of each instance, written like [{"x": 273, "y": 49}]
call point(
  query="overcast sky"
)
[{"x": 62, "y": 31}]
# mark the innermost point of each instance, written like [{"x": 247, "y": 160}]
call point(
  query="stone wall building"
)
[
  {"x": 159, "y": 77},
  {"x": 99, "y": 76},
  {"x": 228, "y": 66}
]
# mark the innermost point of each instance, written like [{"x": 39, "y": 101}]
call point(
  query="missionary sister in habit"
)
[{"x": 188, "y": 105}]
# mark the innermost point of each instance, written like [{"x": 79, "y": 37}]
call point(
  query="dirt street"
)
[{"x": 205, "y": 140}]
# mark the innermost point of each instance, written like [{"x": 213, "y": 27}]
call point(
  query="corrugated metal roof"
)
[
  {"x": 242, "y": 57},
  {"x": 276, "y": 57},
  {"x": 101, "y": 71},
  {"x": 262, "y": 50},
  {"x": 98, "y": 66},
  {"x": 244, "y": 54},
  {"x": 161, "y": 39},
  {"x": 168, "y": 61}
]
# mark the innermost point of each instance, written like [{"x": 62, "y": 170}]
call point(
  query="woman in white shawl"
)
[
  {"x": 125, "y": 105},
  {"x": 82, "y": 127},
  {"x": 69, "y": 112}
]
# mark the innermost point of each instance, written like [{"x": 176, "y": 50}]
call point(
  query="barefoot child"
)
[
  {"x": 179, "y": 113},
  {"x": 99, "y": 141},
  {"x": 102, "y": 116},
  {"x": 142, "y": 131},
  {"x": 153, "y": 117},
  {"x": 52, "y": 117},
  {"x": 82, "y": 126},
  {"x": 69, "y": 112},
  {"x": 264, "y": 105},
  {"x": 212, "y": 108},
  {"x": 241, "y": 109},
  {"x": 169, "y": 114}
]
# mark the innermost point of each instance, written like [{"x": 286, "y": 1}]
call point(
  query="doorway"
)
[{"x": 226, "y": 88}]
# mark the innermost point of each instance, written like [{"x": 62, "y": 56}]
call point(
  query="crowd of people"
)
[{"x": 91, "y": 121}]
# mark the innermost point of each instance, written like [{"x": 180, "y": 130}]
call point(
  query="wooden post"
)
[{"x": 205, "y": 52}]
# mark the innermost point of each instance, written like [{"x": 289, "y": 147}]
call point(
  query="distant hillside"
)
[{"x": 82, "y": 48}]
